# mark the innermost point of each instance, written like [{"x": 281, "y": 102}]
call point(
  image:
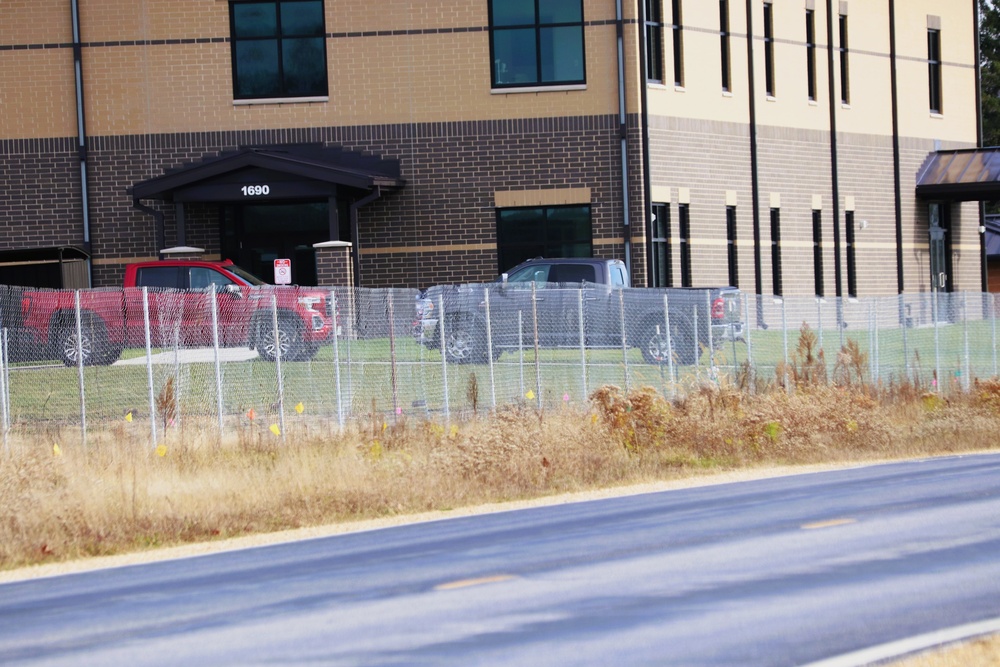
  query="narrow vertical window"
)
[
  {"x": 934, "y": 69},
  {"x": 852, "y": 266},
  {"x": 661, "y": 268},
  {"x": 724, "y": 44},
  {"x": 845, "y": 72},
  {"x": 811, "y": 54},
  {"x": 776, "y": 251},
  {"x": 768, "y": 49},
  {"x": 734, "y": 268},
  {"x": 818, "y": 251},
  {"x": 684, "y": 221},
  {"x": 678, "y": 33},
  {"x": 654, "y": 41}
]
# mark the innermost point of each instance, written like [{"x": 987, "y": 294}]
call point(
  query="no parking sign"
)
[{"x": 282, "y": 272}]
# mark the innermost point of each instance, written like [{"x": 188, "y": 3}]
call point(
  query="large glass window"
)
[
  {"x": 558, "y": 231},
  {"x": 654, "y": 41},
  {"x": 776, "y": 287},
  {"x": 684, "y": 222},
  {"x": 536, "y": 42},
  {"x": 732, "y": 254},
  {"x": 278, "y": 49},
  {"x": 934, "y": 69},
  {"x": 818, "y": 252},
  {"x": 852, "y": 262}
]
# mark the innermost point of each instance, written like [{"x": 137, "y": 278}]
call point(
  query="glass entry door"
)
[
  {"x": 254, "y": 235},
  {"x": 940, "y": 247}
]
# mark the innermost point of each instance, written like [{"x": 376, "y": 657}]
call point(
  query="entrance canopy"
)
[
  {"x": 270, "y": 173},
  {"x": 971, "y": 174}
]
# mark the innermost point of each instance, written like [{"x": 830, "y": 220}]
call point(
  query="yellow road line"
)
[
  {"x": 465, "y": 583},
  {"x": 828, "y": 524}
]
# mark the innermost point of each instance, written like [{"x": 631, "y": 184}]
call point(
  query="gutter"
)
[
  {"x": 834, "y": 175},
  {"x": 161, "y": 232},
  {"x": 623, "y": 135},
  {"x": 754, "y": 169},
  {"x": 81, "y": 125},
  {"x": 984, "y": 277},
  {"x": 647, "y": 185},
  {"x": 895, "y": 151}
]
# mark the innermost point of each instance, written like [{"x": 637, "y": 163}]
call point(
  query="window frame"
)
[
  {"x": 817, "y": 230},
  {"x": 843, "y": 49},
  {"x": 852, "y": 265},
  {"x": 811, "y": 54},
  {"x": 776, "y": 285},
  {"x": 538, "y": 27},
  {"x": 684, "y": 227},
  {"x": 934, "y": 89},
  {"x": 654, "y": 41},
  {"x": 507, "y": 259},
  {"x": 677, "y": 29},
  {"x": 661, "y": 266},
  {"x": 278, "y": 37},
  {"x": 769, "y": 80},
  {"x": 732, "y": 255},
  {"x": 725, "y": 52}
]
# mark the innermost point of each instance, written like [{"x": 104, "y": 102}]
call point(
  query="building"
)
[{"x": 447, "y": 141}]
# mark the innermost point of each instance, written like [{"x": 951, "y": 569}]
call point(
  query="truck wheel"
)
[
  {"x": 289, "y": 339},
  {"x": 656, "y": 351},
  {"x": 93, "y": 345},
  {"x": 465, "y": 343}
]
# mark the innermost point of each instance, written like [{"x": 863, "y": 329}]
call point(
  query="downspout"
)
[
  {"x": 647, "y": 196},
  {"x": 895, "y": 151},
  {"x": 984, "y": 277},
  {"x": 834, "y": 176},
  {"x": 623, "y": 134},
  {"x": 81, "y": 127},
  {"x": 161, "y": 232},
  {"x": 754, "y": 169},
  {"x": 356, "y": 254}
]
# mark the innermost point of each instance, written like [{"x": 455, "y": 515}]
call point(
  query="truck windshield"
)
[{"x": 245, "y": 275}]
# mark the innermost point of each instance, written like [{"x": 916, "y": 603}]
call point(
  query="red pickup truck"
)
[{"x": 179, "y": 313}]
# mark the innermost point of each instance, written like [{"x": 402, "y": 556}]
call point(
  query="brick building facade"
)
[{"x": 494, "y": 151}]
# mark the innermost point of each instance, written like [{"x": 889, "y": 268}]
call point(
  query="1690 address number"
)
[{"x": 255, "y": 190}]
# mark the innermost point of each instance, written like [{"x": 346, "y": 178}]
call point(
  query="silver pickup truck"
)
[{"x": 572, "y": 303}]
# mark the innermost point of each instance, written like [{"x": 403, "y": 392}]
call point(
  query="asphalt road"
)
[{"x": 782, "y": 571}]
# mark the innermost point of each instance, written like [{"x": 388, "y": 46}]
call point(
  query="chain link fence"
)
[{"x": 287, "y": 360}]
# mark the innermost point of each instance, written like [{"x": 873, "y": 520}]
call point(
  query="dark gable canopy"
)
[
  {"x": 971, "y": 174},
  {"x": 272, "y": 172}
]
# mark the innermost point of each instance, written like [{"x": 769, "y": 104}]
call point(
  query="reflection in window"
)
[
  {"x": 662, "y": 276},
  {"x": 536, "y": 42},
  {"x": 557, "y": 231},
  {"x": 278, "y": 49},
  {"x": 654, "y": 41}
]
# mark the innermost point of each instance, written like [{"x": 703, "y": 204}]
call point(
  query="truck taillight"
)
[{"x": 719, "y": 308}]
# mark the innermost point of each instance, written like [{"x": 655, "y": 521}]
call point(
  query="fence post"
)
[
  {"x": 583, "y": 342},
  {"x": 966, "y": 375},
  {"x": 213, "y": 302},
  {"x": 697, "y": 341},
  {"x": 336, "y": 359},
  {"x": 670, "y": 348},
  {"x": 937, "y": 344},
  {"x": 905, "y": 324},
  {"x": 277, "y": 365},
  {"x": 747, "y": 329},
  {"x": 520, "y": 347},
  {"x": 489, "y": 349},
  {"x": 4, "y": 389},
  {"x": 149, "y": 364},
  {"x": 444, "y": 355},
  {"x": 993, "y": 322},
  {"x": 621, "y": 318},
  {"x": 6, "y": 374},
  {"x": 392, "y": 356},
  {"x": 784, "y": 338},
  {"x": 534, "y": 324},
  {"x": 711, "y": 338},
  {"x": 79, "y": 367}
]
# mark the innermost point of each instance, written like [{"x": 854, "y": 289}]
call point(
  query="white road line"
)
[{"x": 903, "y": 647}]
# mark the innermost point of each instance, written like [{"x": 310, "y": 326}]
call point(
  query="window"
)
[
  {"x": 768, "y": 49},
  {"x": 278, "y": 49},
  {"x": 811, "y": 54},
  {"x": 734, "y": 269},
  {"x": 654, "y": 41},
  {"x": 818, "y": 252},
  {"x": 724, "y": 42},
  {"x": 852, "y": 267},
  {"x": 684, "y": 221},
  {"x": 200, "y": 277},
  {"x": 661, "y": 265},
  {"x": 845, "y": 78},
  {"x": 536, "y": 42},
  {"x": 776, "y": 251},
  {"x": 678, "y": 32},
  {"x": 558, "y": 231},
  {"x": 158, "y": 276},
  {"x": 934, "y": 69}
]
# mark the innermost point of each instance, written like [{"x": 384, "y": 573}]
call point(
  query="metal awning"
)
[
  {"x": 971, "y": 174},
  {"x": 272, "y": 172}
]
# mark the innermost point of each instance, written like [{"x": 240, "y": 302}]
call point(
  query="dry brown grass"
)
[
  {"x": 981, "y": 652},
  {"x": 60, "y": 500}
]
